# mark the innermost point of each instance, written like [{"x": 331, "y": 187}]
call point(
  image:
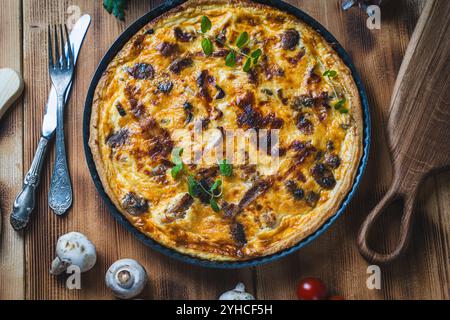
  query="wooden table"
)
[{"x": 25, "y": 257}]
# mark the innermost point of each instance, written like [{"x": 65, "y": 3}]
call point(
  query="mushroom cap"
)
[
  {"x": 237, "y": 293},
  {"x": 126, "y": 278},
  {"x": 74, "y": 248}
]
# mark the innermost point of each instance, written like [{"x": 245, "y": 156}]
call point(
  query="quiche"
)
[{"x": 227, "y": 66}]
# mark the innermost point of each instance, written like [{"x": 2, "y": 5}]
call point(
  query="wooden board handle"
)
[
  {"x": 11, "y": 87},
  {"x": 418, "y": 125},
  {"x": 394, "y": 193}
]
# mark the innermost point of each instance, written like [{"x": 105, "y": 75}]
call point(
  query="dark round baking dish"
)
[{"x": 111, "y": 53}]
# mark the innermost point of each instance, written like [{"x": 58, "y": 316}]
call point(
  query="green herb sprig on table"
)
[
  {"x": 116, "y": 7},
  {"x": 230, "y": 60}
]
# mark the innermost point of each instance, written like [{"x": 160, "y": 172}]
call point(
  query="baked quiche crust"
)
[{"x": 162, "y": 81}]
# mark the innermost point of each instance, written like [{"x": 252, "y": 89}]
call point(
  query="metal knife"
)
[{"x": 25, "y": 201}]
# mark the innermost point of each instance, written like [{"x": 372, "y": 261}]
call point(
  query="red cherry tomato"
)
[
  {"x": 311, "y": 289},
  {"x": 336, "y": 298}
]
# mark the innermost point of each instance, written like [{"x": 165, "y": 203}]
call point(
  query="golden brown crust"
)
[{"x": 291, "y": 228}]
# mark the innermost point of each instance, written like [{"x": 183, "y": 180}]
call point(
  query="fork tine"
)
[
  {"x": 69, "y": 47},
  {"x": 63, "y": 49},
  {"x": 57, "y": 56},
  {"x": 50, "y": 49}
]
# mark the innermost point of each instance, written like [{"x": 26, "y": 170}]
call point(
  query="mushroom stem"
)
[
  {"x": 124, "y": 278},
  {"x": 59, "y": 266}
]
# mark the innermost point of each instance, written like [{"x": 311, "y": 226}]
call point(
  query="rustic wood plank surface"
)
[
  {"x": 12, "y": 259},
  {"x": 24, "y": 263}
]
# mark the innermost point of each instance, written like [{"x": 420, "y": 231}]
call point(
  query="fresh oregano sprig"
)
[
  {"x": 215, "y": 192},
  {"x": 207, "y": 44},
  {"x": 116, "y": 7},
  {"x": 230, "y": 60}
]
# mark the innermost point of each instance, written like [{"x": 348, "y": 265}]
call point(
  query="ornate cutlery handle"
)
[
  {"x": 25, "y": 200},
  {"x": 60, "y": 195}
]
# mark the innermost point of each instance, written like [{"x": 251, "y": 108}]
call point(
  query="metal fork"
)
[{"x": 61, "y": 72}]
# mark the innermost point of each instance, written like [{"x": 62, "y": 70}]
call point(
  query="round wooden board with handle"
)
[
  {"x": 11, "y": 87},
  {"x": 418, "y": 131}
]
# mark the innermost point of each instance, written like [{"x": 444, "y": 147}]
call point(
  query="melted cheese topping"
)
[{"x": 136, "y": 117}]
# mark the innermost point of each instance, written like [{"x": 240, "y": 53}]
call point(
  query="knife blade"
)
[{"x": 76, "y": 36}]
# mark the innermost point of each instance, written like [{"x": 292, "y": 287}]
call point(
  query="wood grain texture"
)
[
  {"x": 422, "y": 273},
  {"x": 418, "y": 130},
  {"x": 12, "y": 282}
]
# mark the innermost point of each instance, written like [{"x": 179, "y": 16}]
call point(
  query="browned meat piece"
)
[
  {"x": 178, "y": 65},
  {"x": 248, "y": 171},
  {"x": 137, "y": 108},
  {"x": 167, "y": 49},
  {"x": 121, "y": 110},
  {"x": 230, "y": 210},
  {"x": 220, "y": 93},
  {"x": 220, "y": 53},
  {"x": 304, "y": 100},
  {"x": 134, "y": 204},
  {"x": 312, "y": 198},
  {"x": 202, "y": 81},
  {"x": 290, "y": 39},
  {"x": 332, "y": 160},
  {"x": 137, "y": 44},
  {"x": 142, "y": 71},
  {"x": 165, "y": 86},
  {"x": 294, "y": 189},
  {"x": 302, "y": 151},
  {"x": 221, "y": 38},
  {"x": 313, "y": 77},
  {"x": 322, "y": 112},
  {"x": 238, "y": 234},
  {"x": 117, "y": 139},
  {"x": 157, "y": 140},
  {"x": 296, "y": 59},
  {"x": 179, "y": 206},
  {"x": 253, "y": 75},
  {"x": 281, "y": 96},
  {"x": 258, "y": 188},
  {"x": 304, "y": 124},
  {"x": 182, "y": 36},
  {"x": 207, "y": 173},
  {"x": 323, "y": 176}
]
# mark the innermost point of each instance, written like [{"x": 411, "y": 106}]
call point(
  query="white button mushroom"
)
[
  {"x": 73, "y": 248},
  {"x": 237, "y": 293},
  {"x": 126, "y": 278}
]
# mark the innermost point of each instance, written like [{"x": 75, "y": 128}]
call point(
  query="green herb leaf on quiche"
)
[
  {"x": 215, "y": 187},
  {"x": 176, "y": 159},
  {"x": 206, "y": 24},
  {"x": 247, "y": 65},
  {"x": 242, "y": 40},
  {"x": 338, "y": 105},
  {"x": 255, "y": 55},
  {"x": 225, "y": 168},
  {"x": 193, "y": 187},
  {"x": 330, "y": 73},
  {"x": 207, "y": 46},
  {"x": 214, "y": 205},
  {"x": 230, "y": 60}
]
